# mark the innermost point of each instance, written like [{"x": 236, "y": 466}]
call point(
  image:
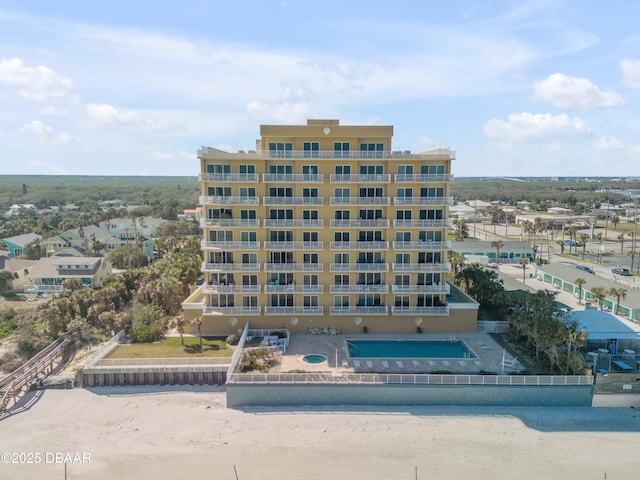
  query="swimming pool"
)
[{"x": 408, "y": 349}]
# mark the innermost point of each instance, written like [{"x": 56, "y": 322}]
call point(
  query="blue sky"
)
[{"x": 518, "y": 88}]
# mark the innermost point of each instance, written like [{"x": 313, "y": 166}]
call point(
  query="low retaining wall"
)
[
  {"x": 396, "y": 394},
  {"x": 206, "y": 375}
]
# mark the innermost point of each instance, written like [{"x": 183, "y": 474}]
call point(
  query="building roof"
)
[
  {"x": 53, "y": 267},
  {"x": 22, "y": 240},
  {"x": 461, "y": 207},
  {"x": 15, "y": 264},
  {"x": 604, "y": 326},
  {"x": 478, "y": 203}
]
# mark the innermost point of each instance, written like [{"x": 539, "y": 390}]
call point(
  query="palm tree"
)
[
  {"x": 619, "y": 294},
  {"x": 621, "y": 240},
  {"x": 579, "y": 282},
  {"x": 583, "y": 240},
  {"x": 497, "y": 244},
  {"x": 179, "y": 323},
  {"x": 561, "y": 245},
  {"x": 197, "y": 322},
  {"x": 615, "y": 220},
  {"x": 523, "y": 262},
  {"x": 599, "y": 294}
]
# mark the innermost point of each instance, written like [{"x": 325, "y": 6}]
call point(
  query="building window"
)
[
  {"x": 342, "y": 214},
  {"x": 403, "y": 214},
  {"x": 341, "y": 236},
  {"x": 343, "y": 171},
  {"x": 370, "y": 214},
  {"x": 249, "y": 280},
  {"x": 341, "y": 279},
  {"x": 280, "y": 150},
  {"x": 310, "y": 192},
  {"x": 404, "y": 280},
  {"x": 218, "y": 168},
  {"x": 246, "y": 169},
  {"x": 431, "y": 214},
  {"x": 341, "y": 150},
  {"x": 249, "y": 258},
  {"x": 405, "y": 169},
  {"x": 310, "y": 280},
  {"x": 371, "y": 169},
  {"x": 280, "y": 214},
  {"x": 370, "y": 236},
  {"x": 219, "y": 191},
  {"x": 369, "y": 300},
  {"x": 247, "y": 192},
  {"x": 281, "y": 236},
  {"x": 429, "y": 236},
  {"x": 371, "y": 192},
  {"x": 221, "y": 236},
  {"x": 403, "y": 236},
  {"x": 310, "y": 301},
  {"x": 308, "y": 170},
  {"x": 341, "y": 301},
  {"x": 401, "y": 300},
  {"x": 308, "y": 258},
  {"x": 311, "y": 150},
  {"x": 432, "y": 192},
  {"x": 369, "y": 279},
  {"x": 341, "y": 258},
  {"x": 248, "y": 236},
  {"x": 404, "y": 192},
  {"x": 248, "y": 214},
  {"x": 310, "y": 214},
  {"x": 217, "y": 213},
  {"x": 281, "y": 169},
  {"x": 403, "y": 258},
  {"x": 428, "y": 279},
  {"x": 432, "y": 169},
  {"x": 371, "y": 150},
  {"x": 249, "y": 301}
]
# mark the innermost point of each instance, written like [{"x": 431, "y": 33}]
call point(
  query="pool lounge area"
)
[{"x": 483, "y": 354}]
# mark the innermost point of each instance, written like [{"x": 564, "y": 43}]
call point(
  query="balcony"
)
[
  {"x": 423, "y": 223},
  {"x": 359, "y": 267},
  {"x": 382, "y": 288},
  {"x": 231, "y": 200},
  {"x": 254, "y": 310},
  {"x": 422, "y": 178},
  {"x": 229, "y": 177},
  {"x": 293, "y": 245},
  {"x": 421, "y": 267},
  {"x": 423, "y": 200},
  {"x": 205, "y": 245},
  {"x": 422, "y": 245},
  {"x": 292, "y": 178},
  {"x": 360, "y": 200},
  {"x": 364, "y": 310},
  {"x": 293, "y": 200},
  {"x": 438, "y": 154},
  {"x": 294, "y": 267},
  {"x": 360, "y": 223},
  {"x": 230, "y": 267},
  {"x": 316, "y": 310},
  {"x": 435, "y": 289},
  {"x": 231, "y": 288},
  {"x": 229, "y": 222},
  {"x": 360, "y": 245},
  {"x": 294, "y": 289},
  {"x": 399, "y": 310},
  {"x": 293, "y": 223},
  {"x": 380, "y": 178}
]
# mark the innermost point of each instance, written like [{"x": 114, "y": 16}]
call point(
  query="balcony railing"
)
[
  {"x": 231, "y": 200},
  {"x": 436, "y": 154},
  {"x": 446, "y": 245},
  {"x": 293, "y": 200},
  {"x": 293, "y": 223},
  {"x": 293, "y": 178},
  {"x": 205, "y": 245},
  {"x": 364, "y": 310},
  {"x": 421, "y": 267},
  {"x": 435, "y": 289},
  {"x": 294, "y": 245},
  {"x": 360, "y": 223},
  {"x": 422, "y": 177},
  {"x": 230, "y": 267},
  {"x": 231, "y": 288},
  {"x": 382, "y": 288},
  {"x": 398, "y": 310},
  {"x": 229, "y": 222},
  {"x": 423, "y": 200},
  {"x": 360, "y": 200},
  {"x": 300, "y": 310},
  {"x": 294, "y": 267},
  {"x": 364, "y": 178},
  {"x": 294, "y": 289},
  {"x": 423, "y": 223},
  {"x": 228, "y": 177},
  {"x": 254, "y": 310},
  {"x": 360, "y": 245},
  {"x": 359, "y": 267}
]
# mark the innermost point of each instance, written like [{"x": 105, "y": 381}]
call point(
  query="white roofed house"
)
[{"x": 49, "y": 274}]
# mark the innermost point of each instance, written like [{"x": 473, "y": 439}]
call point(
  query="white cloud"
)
[
  {"x": 609, "y": 143},
  {"x": 102, "y": 114},
  {"x": 569, "y": 93},
  {"x": 631, "y": 73},
  {"x": 540, "y": 126},
  {"x": 46, "y": 135},
  {"x": 37, "y": 84},
  {"x": 284, "y": 112},
  {"x": 162, "y": 156}
]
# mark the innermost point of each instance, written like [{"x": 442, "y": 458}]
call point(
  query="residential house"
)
[
  {"x": 16, "y": 245},
  {"x": 19, "y": 268},
  {"x": 49, "y": 274}
]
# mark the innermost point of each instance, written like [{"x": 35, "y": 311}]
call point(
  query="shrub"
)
[
  {"x": 232, "y": 339},
  {"x": 147, "y": 324}
]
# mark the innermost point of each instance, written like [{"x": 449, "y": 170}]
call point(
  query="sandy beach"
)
[{"x": 180, "y": 433}]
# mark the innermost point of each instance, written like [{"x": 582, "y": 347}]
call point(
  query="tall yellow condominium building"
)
[{"x": 325, "y": 225}]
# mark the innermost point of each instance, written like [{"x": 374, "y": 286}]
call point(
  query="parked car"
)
[
  {"x": 572, "y": 243},
  {"x": 585, "y": 269},
  {"x": 621, "y": 271}
]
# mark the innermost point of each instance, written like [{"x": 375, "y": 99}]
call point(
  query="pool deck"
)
[{"x": 489, "y": 355}]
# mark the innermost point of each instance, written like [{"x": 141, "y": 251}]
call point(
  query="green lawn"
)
[{"x": 170, "y": 348}]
